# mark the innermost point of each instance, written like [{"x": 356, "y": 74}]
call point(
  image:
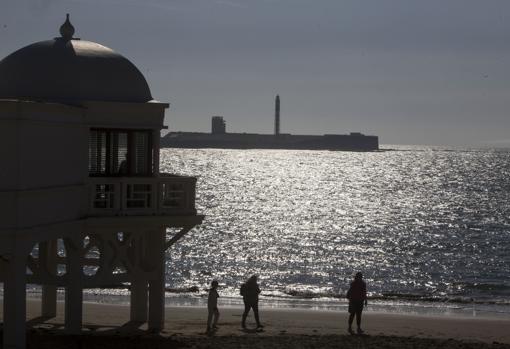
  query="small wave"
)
[
  {"x": 191, "y": 289},
  {"x": 309, "y": 294},
  {"x": 394, "y": 296},
  {"x": 486, "y": 286},
  {"x": 421, "y": 297},
  {"x": 438, "y": 299}
]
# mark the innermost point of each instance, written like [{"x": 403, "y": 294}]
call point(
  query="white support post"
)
[
  {"x": 73, "y": 308},
  {"x": 74, "y": 290},
  {"x": 14, "y": 329},
  {"x": 48, "y": 258},
  {"x": 156, "y": 305},
  {"x": 139, "y": 301},
  {"x": 156, "y": 241},
  {"x": 156, "y": 135}
]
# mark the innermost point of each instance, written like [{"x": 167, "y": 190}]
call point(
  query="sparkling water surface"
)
[{"x": 421, "y": 223}]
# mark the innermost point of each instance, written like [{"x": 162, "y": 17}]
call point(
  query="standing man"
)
[
  {"x": 357, "y": 296},
  {"x": 212, "y": 308},
  {"x": 250, "y": 291}
]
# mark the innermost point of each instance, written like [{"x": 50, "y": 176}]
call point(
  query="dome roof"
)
[{"x": 71, "y": 70}]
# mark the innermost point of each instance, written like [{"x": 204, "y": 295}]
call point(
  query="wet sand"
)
[{"x": 107, "y": 326}]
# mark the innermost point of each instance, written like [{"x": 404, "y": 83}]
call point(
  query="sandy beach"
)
[{"x": 106, "y": 326}]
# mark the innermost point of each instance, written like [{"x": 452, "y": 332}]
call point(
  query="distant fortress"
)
[{"x": 219, "y": 138}]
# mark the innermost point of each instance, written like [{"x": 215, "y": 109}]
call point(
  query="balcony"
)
[{"x": 142, "y": 196}]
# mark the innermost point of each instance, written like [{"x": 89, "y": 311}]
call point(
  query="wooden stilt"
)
[
  {"x": 157, "y": 285},
  {"x": 48, "y": 258},
  {"x": 74, "y": 289},
  {"x": 139, "y": 301},
  {"x": 14, "y": 331}
]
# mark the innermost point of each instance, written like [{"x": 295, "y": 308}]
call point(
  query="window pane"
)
[
  {"x": 119, "y": 153},
  {"x": 142, "y": 155},
  {"x": 120, "y": 162},
  {"x": 97, "y": 152}
]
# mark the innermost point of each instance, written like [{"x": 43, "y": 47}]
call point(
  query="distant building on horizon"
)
[
  {"x": 219, "y": 138},
  {"x": 218, "y": 125},
  {"x": 277, "y": 115}
]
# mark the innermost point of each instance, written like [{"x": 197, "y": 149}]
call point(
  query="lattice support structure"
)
[{"x": 87, "y": 256}]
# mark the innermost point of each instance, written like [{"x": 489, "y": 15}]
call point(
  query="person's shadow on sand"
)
[
  {"x": 211, "y": 333},
  {"x": 359, "y": 334},
  {"x": 251, "y": 330}
]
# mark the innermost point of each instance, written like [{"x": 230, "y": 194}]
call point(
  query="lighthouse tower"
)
[
  {"x": 82, "y": 201},
  {"x": 277, "y": 116}
]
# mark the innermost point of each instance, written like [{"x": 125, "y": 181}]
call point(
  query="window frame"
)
[{"x": 131, "y": 152}]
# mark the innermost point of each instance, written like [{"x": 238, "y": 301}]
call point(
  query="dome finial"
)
[{"x": 67, "y": 29}]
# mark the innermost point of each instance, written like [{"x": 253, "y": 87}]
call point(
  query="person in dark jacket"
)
[
  {"x": 250, "y": 291},
  {"x": 212, "y": 307},
  {"x": 357, "y": 296}
]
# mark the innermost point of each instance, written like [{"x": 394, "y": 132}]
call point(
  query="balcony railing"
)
[{"x": 139, "y": 196}]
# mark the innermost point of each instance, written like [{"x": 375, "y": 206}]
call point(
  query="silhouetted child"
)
[
  {"x": 212, "y": 307},
  {"x": 357, "y": 296},
  {"x": 250, "y": 291}
]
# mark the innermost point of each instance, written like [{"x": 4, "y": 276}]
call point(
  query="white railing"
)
[{"x": 163, "y": 195}]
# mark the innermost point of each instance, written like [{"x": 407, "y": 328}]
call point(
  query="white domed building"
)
[{"x": 82, "y": 201}]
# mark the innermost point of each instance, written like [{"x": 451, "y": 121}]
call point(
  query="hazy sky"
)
[{"x": 409, "y": 71}]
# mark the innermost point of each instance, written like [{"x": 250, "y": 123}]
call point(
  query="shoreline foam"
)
[{"x": 411, "y": 307}]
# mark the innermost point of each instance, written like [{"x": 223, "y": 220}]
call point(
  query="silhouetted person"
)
[
  {"x": 357, "y": 296},
  {"x": 123, "y": 167},
  {"x": 212, "y": 307},
  {"x": 250, "y": 291}
]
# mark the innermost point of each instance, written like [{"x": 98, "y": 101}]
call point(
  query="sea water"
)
[{"x": 428, "y": 227}]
